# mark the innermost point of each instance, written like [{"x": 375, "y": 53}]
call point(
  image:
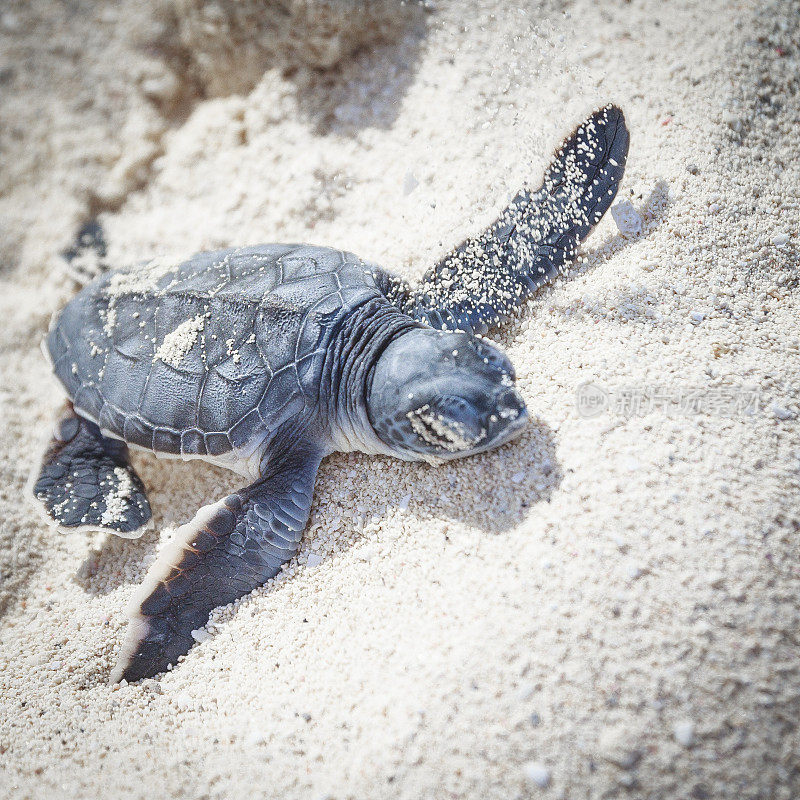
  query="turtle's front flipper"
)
[
  {"x": 86, "y": 480},
  {"x": 479, "y": 284},
  {"x": 226, "y": 551}
]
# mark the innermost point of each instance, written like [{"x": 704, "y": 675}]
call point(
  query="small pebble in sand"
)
[
  {"x": 692, "y": 169},
  {"x": 782, "y": 413},
  {"x": 697, "y": 317},
  {"x": 201, "y": 635},
  {"x": 627, "y": 218},
  {"x": 634, "y": 572},
  {"x": 314, "y": 559},
  {"x": 716, "y": 580},
  {"x": 780, "y": 239},
  {"x": 183, "y": 701},
  {"x": 619, "y": 747},
  {"x": 526, "y": 691},
  {"x": 410, "y": 183},
  {"x": 731, "y": 120},
  {"x": 684, "y": 732},
  {"x": 163, "y": 88},
  {"x": 9, "y": 22},
  {"x": 537, "y": 774},
  {"x": 369, "y": 552}
]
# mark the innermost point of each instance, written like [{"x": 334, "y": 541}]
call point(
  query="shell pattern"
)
[{"x": 203, "y": 357}]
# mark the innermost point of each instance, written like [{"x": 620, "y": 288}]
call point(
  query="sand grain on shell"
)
[
  {"x": 176, "y": 344},
  {"x": 608, "y": 606}
]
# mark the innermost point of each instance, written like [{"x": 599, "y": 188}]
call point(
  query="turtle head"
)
[{"x": 439, "y": 395}]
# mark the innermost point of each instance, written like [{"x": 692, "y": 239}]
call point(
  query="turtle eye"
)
[
  {"x": 452, "y": 407},
  {"x": 494, "y": 359}
]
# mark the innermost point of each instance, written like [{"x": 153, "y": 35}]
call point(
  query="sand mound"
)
[{"x": 225, "y": 47}]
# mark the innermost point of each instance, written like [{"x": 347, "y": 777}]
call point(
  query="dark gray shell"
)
[{"x": 203, "y": 357}]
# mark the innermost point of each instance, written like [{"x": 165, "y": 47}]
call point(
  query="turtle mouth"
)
[
  {"x": 442, "y": 432},
  {"x": 454, "y": 438}
]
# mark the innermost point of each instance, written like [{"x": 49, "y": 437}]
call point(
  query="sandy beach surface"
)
[{"x": 605, "y": 608}]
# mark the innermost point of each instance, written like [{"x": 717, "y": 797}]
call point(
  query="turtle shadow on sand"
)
[
  {"x": 492, "y": 491},
  {"x": 504, "y": 485}
]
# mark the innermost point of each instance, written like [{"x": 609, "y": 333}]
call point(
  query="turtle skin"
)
[{"x": 201, "y": 358}]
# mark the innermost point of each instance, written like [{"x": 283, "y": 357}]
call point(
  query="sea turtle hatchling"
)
[{"x": 266, "y": 359}]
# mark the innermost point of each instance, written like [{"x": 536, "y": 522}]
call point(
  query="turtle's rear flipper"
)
[
  {"x": 86, "y": 480},
  {"x": 86, "y": 259},
  {"x": 485, "y": 278}
]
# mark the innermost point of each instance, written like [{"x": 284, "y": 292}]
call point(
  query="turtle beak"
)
[
  {"x": 511, "y": 406},
  {"x": 512, "y": 414}
]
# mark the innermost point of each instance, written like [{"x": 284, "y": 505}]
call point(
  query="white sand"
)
[{"x": 606, "y": 607}]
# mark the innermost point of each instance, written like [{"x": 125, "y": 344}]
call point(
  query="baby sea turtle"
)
[{"x": 266, "y": 359}]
